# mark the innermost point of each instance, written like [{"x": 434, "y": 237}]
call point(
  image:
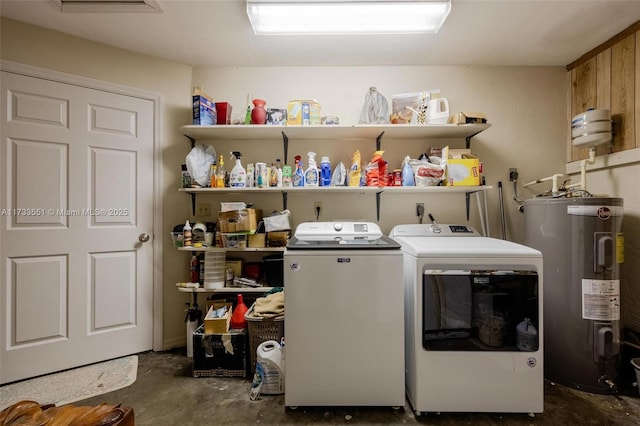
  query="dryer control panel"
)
[{"x": 433, "y": 230}]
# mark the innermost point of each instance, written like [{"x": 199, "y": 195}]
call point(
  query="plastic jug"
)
[{"x": 438, "y": 111}]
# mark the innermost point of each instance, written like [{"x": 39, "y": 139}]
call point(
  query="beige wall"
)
[
  {"x": 39, "y": 47},
  {"x": 527, "y": 107}
]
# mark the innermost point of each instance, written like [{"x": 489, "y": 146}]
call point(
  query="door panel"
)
[{"x": 76, "y": 191}]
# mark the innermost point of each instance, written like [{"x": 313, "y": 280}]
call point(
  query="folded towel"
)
[{"x": 269, "y": 306}]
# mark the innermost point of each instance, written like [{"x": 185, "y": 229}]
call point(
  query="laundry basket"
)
[{"x": 260, "y": 330}]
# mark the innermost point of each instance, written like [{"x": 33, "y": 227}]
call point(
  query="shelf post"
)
[
  {"x": 378, "y": 204},
  {"x": 284, "y": 200},
  {"x": 285, "y": 146},
  {"x": 193, "y": 141},
  {"x": 379, "y": 141},
  {"x": 468, "y": 139},
  {"x": 193, "y": 203}
]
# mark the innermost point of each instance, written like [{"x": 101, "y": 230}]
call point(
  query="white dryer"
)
[{"x": 473, "y": 321}]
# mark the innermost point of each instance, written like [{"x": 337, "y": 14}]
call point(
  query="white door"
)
[{"x": 76, "y": 193}]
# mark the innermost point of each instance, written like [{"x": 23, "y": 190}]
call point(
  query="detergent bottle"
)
[
  {"x": 311, "y": 174},
  {"x": 325, "y": 172},
  {"x": 238, "y": 177},
  {"x": 407, "y": 173}
]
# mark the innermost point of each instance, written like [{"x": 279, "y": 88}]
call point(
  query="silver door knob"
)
[{"x": 144, "y": 237}]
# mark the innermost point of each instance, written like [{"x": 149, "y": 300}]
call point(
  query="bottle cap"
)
[{"x": 325, "y": 159}]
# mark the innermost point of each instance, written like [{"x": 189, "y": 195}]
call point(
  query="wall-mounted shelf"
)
[{"x": 232, "y": 249}]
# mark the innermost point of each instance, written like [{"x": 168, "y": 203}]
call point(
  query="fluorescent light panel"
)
[{"x": 349, "y": 17}]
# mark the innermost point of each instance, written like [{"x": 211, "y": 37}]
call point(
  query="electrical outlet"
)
[
  {"x": 317, "y": 207},
  {"x": 203, "y": 209},
  {"x": 419, "y": 209},
  {"x": 513, "y": 175}
]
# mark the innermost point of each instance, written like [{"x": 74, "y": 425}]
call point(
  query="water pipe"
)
[
  {"x": 553, "y": 179},
  {"x": 583, "y": 170}
]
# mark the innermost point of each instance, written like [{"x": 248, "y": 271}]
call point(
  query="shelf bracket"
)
[
  {"x": 193, "y": 141},
  {"x": 379, "y": 141},
  {"x": 378, "y": 204},
  {"x": 193, "y": 203},
  {"x": 285, "y": 146},
  {"x": 284, "y": 200},
  {"x": 468, "y": 139}
]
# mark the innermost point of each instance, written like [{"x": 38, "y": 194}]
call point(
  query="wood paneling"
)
[
  {"x": 623, "y": 93},
  {"x": 608, "y": 77},
  {"x": 583, "y": 96}
]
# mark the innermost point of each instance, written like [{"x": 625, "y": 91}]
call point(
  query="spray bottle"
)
[
  {"x": 298, "y": 175},
  {"x": 220, "y": 173},
  {"x": 238, "y": 177},
  {"x": 311, "y": 174}
]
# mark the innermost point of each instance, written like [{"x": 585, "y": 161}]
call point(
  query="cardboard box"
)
[
  {"x": 303, "y": 112},
  {"x": 257, "y": 240},
  {"x": 220, "y": 355},
  {"x": 223, "y": 112},
  {"x": 235, "y": 265},
  {"x": 217, "y": 325},
  {"x": 463, "y": 172},
  {"x": 468, "y": 117},
  {"x": 276, "y": 117},
  {"x": 277, "y": 238},
  {"x": 239, "y": 220},
  {"x": 204, "y": 109}
]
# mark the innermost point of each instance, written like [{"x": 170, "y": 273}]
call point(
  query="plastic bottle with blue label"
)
[
  {"x": 325, "y": 172},
  {"x": 407, "y": 173}
]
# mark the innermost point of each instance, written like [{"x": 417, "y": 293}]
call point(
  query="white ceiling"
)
[{"x": 477, "y": 32}]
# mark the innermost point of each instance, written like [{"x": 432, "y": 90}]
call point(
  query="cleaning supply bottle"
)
[
  {"x": 325, "y": 172},
  {"x": 311, "y": 174},
  {"x": 194, "y": 270},
  {"x": 407, "y": 173},
  {"x": 238, "y": 177},
  {"x": 279, "y": 183},
  {"x": 251, "y": 176},
  {"x": 286, "y": 177},
  {"x": 273, "y": 176},
  {"x": 297, "y": 179},
  {"x": 213, "y": 174},
  {"x": 221, "y": 173},
  {"x": 186, "y": 235},
  {"x": 237, "y": 317}
]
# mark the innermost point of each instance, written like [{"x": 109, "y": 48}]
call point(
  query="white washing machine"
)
[
  {"x": 473, "y": 321},
  {"x": 344, "y": 316}
]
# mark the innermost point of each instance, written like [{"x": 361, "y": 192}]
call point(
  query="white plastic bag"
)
[
  {"x": 199, "y": 162},
  {"x": 375, "y": 109},
  {"x": 278, "y": 221}
]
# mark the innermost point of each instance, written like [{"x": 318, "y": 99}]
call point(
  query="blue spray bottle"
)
[
  {"x": 407, "y": 173},
  {"x": 325, "y": 172}
]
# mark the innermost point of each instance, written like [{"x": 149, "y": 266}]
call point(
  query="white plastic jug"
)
[
  {"x": 270, "y": 366},
  {"x": 438, "y": 111}
]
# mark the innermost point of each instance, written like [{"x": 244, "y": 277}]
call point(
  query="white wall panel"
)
[
  {"x": 34, "y": 108},
  {"x": 112, "y": 120},
  {"x": 114, "y": 196}
]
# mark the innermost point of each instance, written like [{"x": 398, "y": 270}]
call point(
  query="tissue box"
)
[
  {"x": 239, "y": 220},
  {"x": 219, "y": 355},
  {"x": 463, "y": 172},
  {"x": 204, "y": 109}
]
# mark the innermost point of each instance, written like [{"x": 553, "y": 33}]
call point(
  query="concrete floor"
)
[{"x": 165, "y": 393}]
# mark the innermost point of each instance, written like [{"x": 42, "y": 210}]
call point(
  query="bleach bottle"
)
[
  {"x": 238, "y": 176},
  {"x": 325, "y": 172}
]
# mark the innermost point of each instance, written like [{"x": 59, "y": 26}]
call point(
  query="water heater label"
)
[
  {"x": 620, "y": 248},
  {"x": 601, "y": 212},
  {"x": 601, "y": 300}
]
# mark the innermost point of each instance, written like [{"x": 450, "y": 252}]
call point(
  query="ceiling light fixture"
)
[{"x": 347, "y": 16}]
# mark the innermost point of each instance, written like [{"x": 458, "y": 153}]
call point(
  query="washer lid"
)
[
  {"x": 472, "y": 247},
  {"x": 338, "y": 231}
]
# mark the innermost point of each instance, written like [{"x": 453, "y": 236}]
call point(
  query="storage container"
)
[{"x": 273, "y": 272}]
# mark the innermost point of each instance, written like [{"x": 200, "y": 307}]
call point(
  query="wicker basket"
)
[{"x": 260, "y": 330}]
